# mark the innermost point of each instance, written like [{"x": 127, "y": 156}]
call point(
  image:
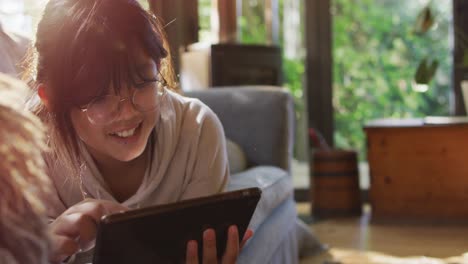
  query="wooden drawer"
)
[{"x": 419, "y": 171}]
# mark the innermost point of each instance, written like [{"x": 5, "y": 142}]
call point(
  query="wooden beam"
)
[
  {"x": 319, "y": 67},
  {"x": 227, "y": 13},
  {"x": 189, "y": 13},
  {"x": 460, "y": 20},
  {"x": 180, "y": 20}
]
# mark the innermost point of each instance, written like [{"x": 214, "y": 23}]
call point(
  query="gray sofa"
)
[{"x": 260, "y": 119}]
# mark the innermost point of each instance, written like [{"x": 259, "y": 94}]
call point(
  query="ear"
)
[{"x": 42, "y": 92}]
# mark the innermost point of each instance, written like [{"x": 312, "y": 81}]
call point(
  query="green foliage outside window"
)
[
  {"x": 376, "y": 53},
  {"x": 253, "y": 31},
  {"x": 204, "y": 23}
]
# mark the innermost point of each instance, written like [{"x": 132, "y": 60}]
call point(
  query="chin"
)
[{"x": 129, "y": 156}]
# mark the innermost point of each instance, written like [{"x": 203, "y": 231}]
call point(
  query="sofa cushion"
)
[
  {"x": 236, "y": 157},
  {"x": 276, "y": 186}
]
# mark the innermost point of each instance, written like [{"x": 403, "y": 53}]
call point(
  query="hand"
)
[
  {"x": 209, "y": 247},
  {"x": 75, "y": 229}
]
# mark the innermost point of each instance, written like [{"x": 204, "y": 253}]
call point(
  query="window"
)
[
  {"x": 376, "y": 51},
  {"x": 21, "y": 16}
]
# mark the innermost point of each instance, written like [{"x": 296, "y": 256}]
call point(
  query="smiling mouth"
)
[{"x": 126, "y": 133}]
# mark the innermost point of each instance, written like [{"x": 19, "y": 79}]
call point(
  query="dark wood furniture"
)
[
  {"x": 418, "y": 169},
  {"x": 241, "y": 64}
]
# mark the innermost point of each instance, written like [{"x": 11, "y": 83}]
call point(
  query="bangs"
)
[{"x": 105, "y": 50}]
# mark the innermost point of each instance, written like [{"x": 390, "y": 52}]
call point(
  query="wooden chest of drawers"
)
[{"x": 418, "y": 171}]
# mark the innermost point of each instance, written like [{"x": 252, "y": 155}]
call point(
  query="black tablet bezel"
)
[{"x": 130, "y": 234}]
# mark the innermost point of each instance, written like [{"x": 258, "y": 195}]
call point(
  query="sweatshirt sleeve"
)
[{"x": 209, "y": 171}]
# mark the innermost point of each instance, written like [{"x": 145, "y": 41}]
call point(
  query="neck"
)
[
  {"x": 108, "y": 165},
  {"x": 122, "y": 177}
]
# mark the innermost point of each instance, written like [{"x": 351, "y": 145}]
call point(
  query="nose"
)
[{"x": 126, "y": 108}]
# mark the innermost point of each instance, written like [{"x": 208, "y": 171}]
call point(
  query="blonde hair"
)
[{"x": 23, "y": 184}]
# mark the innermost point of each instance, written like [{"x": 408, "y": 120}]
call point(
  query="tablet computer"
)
[{"x": 159, "y": 234}]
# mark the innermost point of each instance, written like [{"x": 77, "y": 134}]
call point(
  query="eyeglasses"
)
[{"x": 146, "y": 97}]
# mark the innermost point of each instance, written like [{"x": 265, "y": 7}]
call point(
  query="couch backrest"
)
[{"x": 258, "y": 118}]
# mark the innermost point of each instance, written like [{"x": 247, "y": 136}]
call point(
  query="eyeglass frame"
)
[{"x": 161, "y": 81}]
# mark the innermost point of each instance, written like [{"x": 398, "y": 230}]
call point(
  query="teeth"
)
[{"x": 126, "y": 133}]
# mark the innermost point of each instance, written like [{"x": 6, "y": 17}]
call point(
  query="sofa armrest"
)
[
  {"x": 276, "y": 185},
  {"x": 258, "y": 118}
]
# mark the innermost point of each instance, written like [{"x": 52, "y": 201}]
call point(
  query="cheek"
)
[
  {"x": 82, "y": 126},
  {"x": 151, "y": 119}
]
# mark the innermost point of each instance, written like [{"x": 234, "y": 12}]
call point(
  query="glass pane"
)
[
  {"x": 377, "y": 47},
  {"x": 252, "y": 22},
  {"x": 204, "y": 16}
]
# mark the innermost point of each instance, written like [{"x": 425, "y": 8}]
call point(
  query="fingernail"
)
[
  {"x": 192, "y": 245},
  {"x": 208, "y": 234},
  {"x": 233, "y": 230},
  {"x": 192, "y": 248}
]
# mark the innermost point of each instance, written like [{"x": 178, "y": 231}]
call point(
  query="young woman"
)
[{"x": 120, "y": 136}]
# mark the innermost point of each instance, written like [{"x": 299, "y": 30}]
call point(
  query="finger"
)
[
  {"x": 113, "y": 207},
  {"x": 61, "y": 248},
  {"x": 96, "y": 208},
  {"x": 247, "y": 235},
  {"x": 232, "y": 246},
  {"x": 192, "y": 252},
  {"x": 77, "y": 226},
  {"x": 209, "y": 246}
]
